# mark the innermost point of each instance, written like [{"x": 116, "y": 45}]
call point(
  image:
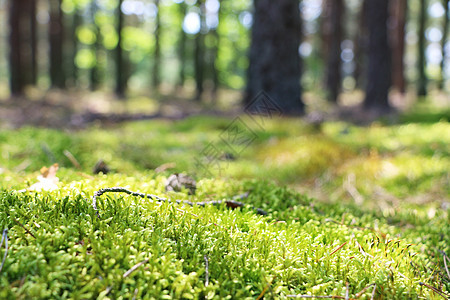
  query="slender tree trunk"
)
[
  {"x": 120, "y": 75},
  {"x": 72, "y": 40},
  {"x": 215, "y": 53},
  {"x": 360, "y": 47},
  {"x": 94, "y": 73},
  {"x": 421, "y": 63},
  {"x": 399, "y": 13},
  {"x": 274, "y": 58},
  {"x": 199, "y": 59},
  {"x": 156, "y": 76},
  {"x": 332, "y": 34},
  {"x": 17, "y": 83},
  {"x": 379, "y": 70},
  {"x": 33, "y": 29},
  {"x": 57, "y": 76},
  {"x": 444, "y": 40},
  {"x": 182, "y": 48}
]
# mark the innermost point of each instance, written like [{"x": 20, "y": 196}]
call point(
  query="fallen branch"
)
[
  {"x": 229, "y": 203},
  {"x": 135, "y": 267}
]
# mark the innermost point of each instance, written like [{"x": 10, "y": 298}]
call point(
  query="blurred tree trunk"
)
[
  {"x": 274, "y": 59},
  {"x": 421, "y": 63},
  {"x": 379, "y": 69},
  {"x": 156, "y": 76},
  {"x": 360, "y": 47},
  {"x": 57, "y": 76},
  {"x": 182, "y": 47},
  {"x": 72, "y": 41},
  {"x": 94, "y": 73},
  {"x": 399, "y": 12},
  {"x": 214, "y": 71},
  {"x": 332, "y": 31},
  {"x": 444, "y": 40},
  {"x": 120, "y": 75},
  {"x": 199, "y": 59},
  {"x": 34, "y": 48},
  {"x": 22, "y": 34}
]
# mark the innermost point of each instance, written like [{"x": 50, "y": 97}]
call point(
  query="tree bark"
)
[
  {"x": 444, "y": 40},
  {"x": 399, "y": 13},
  {"x": 156, "y": 79},
  {"x": 360, "y": 47},
  {"x": 34, "y": 48},
  {"x": 199, "y": 59},
  {"x": 57, "y": 76},
  {"x": 421, "y": 63},
  {"x": 332, "y": 38},
  {"x": 182, "y": 48},
  {"x": 17, "y": 83},
  {"x": 274, "y": 59},
  {"x": 120, "y": 76},
  {"x": 379, "y": 69}
]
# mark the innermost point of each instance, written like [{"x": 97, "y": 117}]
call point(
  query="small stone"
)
[
  {"x": 101, "y": 167},
  {"x": 176, "y": 182}
]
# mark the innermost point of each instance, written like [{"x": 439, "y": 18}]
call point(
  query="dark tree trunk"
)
[
  {"x": 379, "y": 69},
  {"x": 22, "y": 42},
  {"x": 33, "y": 29},
  {"x": 421, "y": 63},
  {"x": 360, "y": 47},
  {"x": 441, "y": 83},
  {"x": 156, "y": 79},
  {"x": 199, "y": 53},
  {"x": 57, "y": 77},
  {"x": 72, "y": 40},
  {"x": 94, "y": 73},
  {"x": 120, "y": 75},
  {"x": 17, "y": 82},
  {"x": 182, "y": 48},
  {"x": 332, "y": 38},
  {"x": 274, "y": 58},
  {"x": 399, "y": 13}
]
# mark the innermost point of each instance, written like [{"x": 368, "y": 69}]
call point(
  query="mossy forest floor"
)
[{"x": 353, "y": 212}]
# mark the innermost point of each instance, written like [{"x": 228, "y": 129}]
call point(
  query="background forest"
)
[{"x": 193, "y": 49}]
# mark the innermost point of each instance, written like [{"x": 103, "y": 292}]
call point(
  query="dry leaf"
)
[{"x": 47, "y": 181}]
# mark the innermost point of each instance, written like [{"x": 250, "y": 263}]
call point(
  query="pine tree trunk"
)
[
  {"x": 360, "y": 47},
  {"x": 199, "y": 59},
  {"x": 57, "y": 77},
  {"x": 332, "y": 36},
  {"x": 274, "y": 59},
  {"x": 156, "y": 80},
  {"x": 444, "y": 41},
  {"x": 379, "y": 69},
  {"x": 182, "y": 48},
  {"x": 421, "y": 63},
  {"x": 34, "y": 48},
  {"x": 16, "y": 69},
  {"x": 94, "y": 72},
  {"x": 399, "y": 12},
  {"x": 120, "y": 76}
]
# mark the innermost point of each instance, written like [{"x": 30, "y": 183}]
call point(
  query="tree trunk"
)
[
  {"x": 120, "y": 75},
  {"x": 199, "y": 59},
  {"x": 182, "y": 48},
  {"x": 421, "y": 63},
  {"x": 399, "y": 12},
  {"x": 274, "y": 59},
  {"x": 94, "y": 73},
  {"x": 156, "y": 79},
  {"x": 16, "y": 69},
  {"x": 57, "y": 77},
  {"x": 360, "y": 47},
  {"x": 72, "y": 41},
  {"x": 332, "y": 38},
  {"x": 33, "y": 29},
  {"x": 379, "y": 69},
  {"x": 444, "y": 40}
]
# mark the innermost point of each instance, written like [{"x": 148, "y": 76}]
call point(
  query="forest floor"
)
[{"x": 353, "y": 210}]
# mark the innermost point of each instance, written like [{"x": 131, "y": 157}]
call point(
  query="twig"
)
[
  {"x": 346, "y": 291},
  {"x": 4, "y": 237},
  {"x": 229, "y": 203},
  {"x": 72, "y": 159},
  {"x": 335, "y": 250},
  {"x": 440, "y": 293},
  {"x": 312, "y": 297},
  {"x": 373, "y": 291},
  {"x": 363, "y": 290},
  {"x": 21, "y": 225},
  {"x": 206, "y": 270},
  {"x": 136, "y": 291},
  {"x": 134, "y": 268},
  {"x": 445, "y": 263}
]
